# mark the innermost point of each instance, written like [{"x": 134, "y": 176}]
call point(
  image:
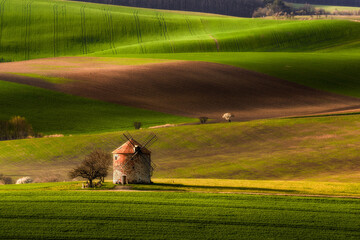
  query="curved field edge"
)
[
  {"x": 319, "y": 148},
  {"x": 185, "y": 88},
  {"x": 265, "y": 187},
  {"x": 63, "y": 28},
  {"x": 334, "y": 72},
  {"x": 51, "y": 112}
]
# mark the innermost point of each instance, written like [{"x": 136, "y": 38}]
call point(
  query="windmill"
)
[{"x": 132, "y": 160}]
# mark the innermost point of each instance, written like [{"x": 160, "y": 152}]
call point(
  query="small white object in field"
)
[
  {"x": 54, "y": 136},
  {"x": 24, "y": 180},
  {"x": 228, "y": 116}
]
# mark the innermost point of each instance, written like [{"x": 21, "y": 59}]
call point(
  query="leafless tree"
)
[{"x": 95, "y": 165}]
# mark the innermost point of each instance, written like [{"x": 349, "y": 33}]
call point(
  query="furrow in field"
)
[{"x": 182, "y": 87}]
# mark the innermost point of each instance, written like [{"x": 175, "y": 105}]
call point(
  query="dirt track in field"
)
[{"x": 181, "y": 87}]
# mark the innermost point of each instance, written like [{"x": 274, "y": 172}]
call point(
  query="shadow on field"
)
[{"x": 184, "y": 187}]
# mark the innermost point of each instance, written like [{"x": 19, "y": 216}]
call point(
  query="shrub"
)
[
  {"x": 5, "y": 180},
  {"x": 50, "y": 178},
  {"x": 24, "y": 180},
  {"x": 203, "y": 120},
  {"x": 137, "y": 125},
  {"x": 16, "y": 128}
]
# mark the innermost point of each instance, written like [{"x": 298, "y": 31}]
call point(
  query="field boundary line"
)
[{"x": 245, "y": 193}]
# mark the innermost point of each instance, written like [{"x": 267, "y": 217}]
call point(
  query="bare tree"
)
[{"x": 95, "y": 165}]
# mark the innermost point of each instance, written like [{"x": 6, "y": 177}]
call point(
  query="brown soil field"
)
[{"x": 185, "y": 88}]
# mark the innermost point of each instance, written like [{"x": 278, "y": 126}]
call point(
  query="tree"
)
[
  {"x": 228, "y": 116},
  {"x": 203, "y": 120},
  {"x": 16, "y": 128},
  {"x": 95, "y": 165},
  {"x": 5, "y": 180},
  {"x": 20, "y": 128}
]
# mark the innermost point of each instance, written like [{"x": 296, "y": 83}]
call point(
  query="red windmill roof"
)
[{"x": 128, "y": 148}]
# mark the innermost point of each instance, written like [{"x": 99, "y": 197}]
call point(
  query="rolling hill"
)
[
  {"x": 316, "y": 148},
  {"x": 289, "y": 64},
  {"x": 51, "y": 112},
  {"x": 61, "y": 28},
  {"x": 185, "y": 88},
  {"x": 312, "y": 53}
]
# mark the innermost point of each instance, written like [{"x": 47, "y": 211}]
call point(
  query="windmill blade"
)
[
  {"x": 153, "y": 165},
  {"x": 148, "y": 164},
  {"x": 145, "y": 160},
  {"x": 151, "y": 139},
  {"x": 148, "y": 137},
  {"x": 128, "y": 134},
  {"x": 124, "y": 164},
  {"x": 129, "y": 138}
]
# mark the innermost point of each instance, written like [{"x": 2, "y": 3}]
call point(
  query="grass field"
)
[
  {"x": 34, "y": 214},
  {"x": 261, "y": 187},
  {"x": 318, "y": 54},
  {"x": 61, "y": 28},
  {"x": 319, "y": 148},
  {"x": 51, "y": 112}
]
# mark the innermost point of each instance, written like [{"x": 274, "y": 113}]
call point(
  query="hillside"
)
[
  {"x": 321, "y": 148},
  {"x": 185, "y": 88},
  {"x": 61, "y": 28},
  {"x": 312, "y": 53},
  {"x": 51, "y": 112}
]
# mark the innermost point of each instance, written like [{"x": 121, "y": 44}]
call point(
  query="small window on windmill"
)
[{"x": 116, "y": 157}]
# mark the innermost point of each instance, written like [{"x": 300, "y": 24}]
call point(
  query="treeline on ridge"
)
[
  {"x": 238, "y": 8},
  {"x": 350, "y": 3}
]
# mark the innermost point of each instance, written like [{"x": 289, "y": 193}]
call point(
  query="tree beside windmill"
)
[{"x": 132, "y": 161}]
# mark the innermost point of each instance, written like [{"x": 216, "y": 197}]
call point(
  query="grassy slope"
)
[
  {"x": 58, "y": 28},
  {"x": 322, "y": 148},
  {"x": 49, "y": 29},
  {"x": 52, "y": 112},
  {"x": 110, "y": 215}
]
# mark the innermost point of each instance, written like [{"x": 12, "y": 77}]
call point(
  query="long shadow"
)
[{"x": 224, "y": 188}]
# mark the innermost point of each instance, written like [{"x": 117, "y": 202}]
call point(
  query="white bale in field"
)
[
  {"x": 24, "y": 180},
  {"x": 228, "y": 116}
]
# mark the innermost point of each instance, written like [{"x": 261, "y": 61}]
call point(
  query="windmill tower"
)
[{"x": 132, "y": 161}]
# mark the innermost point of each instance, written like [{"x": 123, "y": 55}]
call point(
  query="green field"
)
[
  {"x": 323, "y": 54},
  {"x": 320, "y": 54},
  {"x": 318, "y": 148},
  {"x": 51, "y": 112},
  {"x": 293, "y": 156},
  {"x": 61, "y": 28},
  {"x": 34, "y": 214}
]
